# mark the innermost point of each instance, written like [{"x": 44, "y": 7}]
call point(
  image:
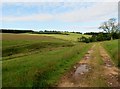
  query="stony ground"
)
[{"x": 95, "y": 69}]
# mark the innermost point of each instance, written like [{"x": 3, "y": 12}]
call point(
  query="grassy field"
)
[
  {"x": 112, "y": 48},
  {"x": 46, "y": 60},
  {"x": 22, "y": 39},
  {"x": 14, "y": 45},
  {"x": 70, "y": 37}
]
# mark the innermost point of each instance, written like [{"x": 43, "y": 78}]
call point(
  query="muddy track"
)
[
  {"x": 95, "y": 69},
  {"x": 110, "y": 71}
]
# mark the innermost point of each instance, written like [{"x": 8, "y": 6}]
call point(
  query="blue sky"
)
[{"x": 62, "y": 16}]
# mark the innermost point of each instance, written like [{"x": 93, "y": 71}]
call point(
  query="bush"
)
[
  {"x": 84, "y": 39},
  {"x": 99, "y": 37},
  {"x": 116, "y": 35}
]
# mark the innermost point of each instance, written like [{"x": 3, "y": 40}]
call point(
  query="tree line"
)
[
  {"x": 111, "y": 30},
  {"x": 31, "y": 31},
  {"x": 15, "y": 31},
  {"x": 36, "y": 32}
]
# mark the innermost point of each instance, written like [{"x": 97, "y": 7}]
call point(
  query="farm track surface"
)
[{"x": 95, "y": 69}]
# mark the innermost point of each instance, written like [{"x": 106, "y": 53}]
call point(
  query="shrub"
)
[{"x": 99, "y": 37}]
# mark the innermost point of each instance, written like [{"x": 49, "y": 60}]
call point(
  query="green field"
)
[
  {"x": 39, "y": 60},
  {"x": 112, "y": 49},
  {"x": 14, "y": 45},
  {"x": 71, "y": 37}
]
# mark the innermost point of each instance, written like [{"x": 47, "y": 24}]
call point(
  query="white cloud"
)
[
  {"x": 81, "y": 27},
  {"x": 60, "y": 0},
  {"x": 99, "y": 11},
  {"x": 41, "y": 17}
]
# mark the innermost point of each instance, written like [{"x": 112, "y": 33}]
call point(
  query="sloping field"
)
[
  {"x": 45, "y": 67},
  {"x": 20, "y": 44},
  {"x": 70, "y": 37},
  {"x": 21, "y": 39}
]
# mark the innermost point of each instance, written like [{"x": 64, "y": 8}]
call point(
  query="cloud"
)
[
  {"x": 81, "y": 27},
  {"x": 60, "y": 0},
  {"x": 98, "y": 11},
  {"x": 41, "y": 17}
]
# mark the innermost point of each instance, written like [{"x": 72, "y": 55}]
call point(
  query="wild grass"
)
[
  {"x": 15, "y": 45},
  {"x": 46, "y": 59},
  {"x": 31, "y": 48},
  {"x": 42, "y": 69},
  {"x": 9, "y": 39}
]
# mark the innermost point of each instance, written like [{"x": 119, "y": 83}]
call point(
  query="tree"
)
[{"x": 110, "y": 27}]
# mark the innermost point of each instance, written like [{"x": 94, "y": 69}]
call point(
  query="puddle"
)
[{"x": 81, "y": 70}]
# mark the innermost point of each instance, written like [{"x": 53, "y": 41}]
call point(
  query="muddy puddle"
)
[
  {"x": 81, "y": 69},
  {"x": 85, "y": 72}
]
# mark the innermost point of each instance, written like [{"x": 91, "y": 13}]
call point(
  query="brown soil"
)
[
  {"x": 111, "y": 72},
  {"x": 90, "y": 73}
]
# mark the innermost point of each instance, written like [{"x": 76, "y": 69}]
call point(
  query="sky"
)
[{"x": 60, "y": 16}]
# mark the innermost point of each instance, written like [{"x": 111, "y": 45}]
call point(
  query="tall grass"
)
[
  {"x": 49, "y": 77},
  {"x": 17, "y": 45},
  {"x": 43, "y": 69},
  {"x": 39, "y": 69},
  {"x": 12, "y": 50}
]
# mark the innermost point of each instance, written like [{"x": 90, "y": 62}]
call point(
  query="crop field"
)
[
  {"x": 112, "y": 49},
  {"x": 37, "y": 60}
]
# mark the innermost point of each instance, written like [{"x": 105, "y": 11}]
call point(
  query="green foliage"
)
[
  {"x": 99, "y": 37},
  {"x": 15, "y": 31},
  {"x": 111, "y": 27}
]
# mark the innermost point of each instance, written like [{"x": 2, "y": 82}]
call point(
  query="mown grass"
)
[
  {"x": 42, "y": 69},
  {"x": 112, "y": 49}
]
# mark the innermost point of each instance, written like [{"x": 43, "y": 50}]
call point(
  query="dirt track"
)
[{"x": 95, "y": 69}]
